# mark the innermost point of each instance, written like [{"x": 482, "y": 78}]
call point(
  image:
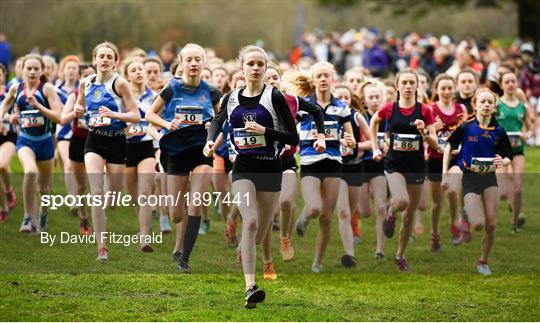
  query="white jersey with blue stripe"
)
[
  {"x": 139, "y": 131},
  {"x": 335, "y": 115}
]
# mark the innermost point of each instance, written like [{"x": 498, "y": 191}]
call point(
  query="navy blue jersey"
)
[
  {"x": 381, "y": 133},
  {"x": 336, "y": 114},
  {"x": 64, "y": 132},
  {"x": 98, "y": 95},
  {"x": 32, "y": 122},
  {"x": 479, "y": 142},
  {"x": 193, "y": 106},
  {"x": 223, "y": 150}
]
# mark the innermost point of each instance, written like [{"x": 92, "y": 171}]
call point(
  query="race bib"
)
[
  {"x": 515, "y": 139},
  {"x": 442, "y": 142},
  {"x": 380, "y": 140},
  {"x": 32, "y": 118},
  {"x": 137, "y": 129},
  {"x": 189, "y": 115},
  {"x": 6, "y": 127},
  {"x": 244, "y": 139},
  {"x": 406, "y": 142},
  {"x": 345, "y": 150},
  {"x": 96, "y": 120},
  {"x": 482, "y": 165}
]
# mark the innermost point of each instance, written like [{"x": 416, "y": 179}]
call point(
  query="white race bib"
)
[
  {"x": 515, "y": 139},
  {"x": 32, "y": 118},
  {"x": 81, "y": 123},
  {"x": 189, "y": 115},
  {"x": 345, "y": 150},
  {"x": 96, "y": 120},
  {"x": 482, "y": 165},
  {"x": 442, "y": 142},
  {"x": 406, "y": 142},
  {"x": 380, "y": 140},
  {"x": 5, "y": 126},
  {"x": 244, "y": 139},
  {"x": 137, "y": 129}
]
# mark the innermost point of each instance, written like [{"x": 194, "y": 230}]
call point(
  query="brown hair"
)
[
  {"x": 470, "y": 71},
  {"x": 153, "y": 60},
  {"x": 251, "y": 48},
  {"x": 480, "y": 90},
  {"x": 129, "y": 62},
  {"x": 438, "y": 79},
  {"x": 355, "y": 100},
  {"x": 108, "y": 45},
  {"x": 407, "y": 70},
  {"x": 37, "y": 57}
]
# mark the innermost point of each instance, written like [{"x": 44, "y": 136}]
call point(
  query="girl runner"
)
[
  {"x": 261, "y": 124},
  {"x": 484, "y": 148},
  {"x": 409, "y": 124},
  {"x": 38, "y": 105},
  {"x": 107, "y": 103}
]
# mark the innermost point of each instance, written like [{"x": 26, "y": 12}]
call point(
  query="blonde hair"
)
[
  {"x": 107, "y": 45},
  {"x": 323, "y": 64},
  {"x": 249, "y": 49},
  {"x": 191, "y": 46}
]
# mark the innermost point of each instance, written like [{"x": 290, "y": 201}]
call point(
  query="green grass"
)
[{"x": 65, "y": 283}]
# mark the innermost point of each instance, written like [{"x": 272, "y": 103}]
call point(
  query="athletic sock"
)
[{"x": 192, "y": 231}]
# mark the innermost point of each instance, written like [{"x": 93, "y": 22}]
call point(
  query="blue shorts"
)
[{"x": 42, "y": 148}]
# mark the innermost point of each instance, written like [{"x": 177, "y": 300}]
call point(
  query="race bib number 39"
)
[
  {"x": 189, "y": 115},
  {"x": 406, "y": 142},
  {"x": 32, "y": 118},
  {"x": 515, "y": 139},
  {"x": 482, "y": 165},
  {"x": 246, "y": 139}
]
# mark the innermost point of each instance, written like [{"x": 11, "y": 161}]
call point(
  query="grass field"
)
[{"x": 65, "y": 283}]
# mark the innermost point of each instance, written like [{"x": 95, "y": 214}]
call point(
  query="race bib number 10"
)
[{"x": 189, "y": 115}]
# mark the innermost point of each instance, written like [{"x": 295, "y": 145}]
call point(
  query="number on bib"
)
[
  {"x": 32, "y": 118},
  {"x": 515, "y": 139},
  {"x": 406, "y": 142},
  {"x": 482, "y": 165},
  {"x": 246, "y": 139},
  {"x": 189, "y": 115}
]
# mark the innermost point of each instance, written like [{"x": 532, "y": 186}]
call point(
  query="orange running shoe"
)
[{"x": 269, "y": 271}]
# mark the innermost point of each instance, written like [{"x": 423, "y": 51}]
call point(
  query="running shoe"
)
[
  {"x": 275, "y": 224},
  {"x": 43, "y": 222},
  {"x": 103, "y": 254},
  {"x": 379, "y": 256},
  {"x": 301, "y": 224},
  {"x": 269, "y": 271},
  {"x": 164, "y": 225},
  {"x": 455, "y": 233},
  {"x": 389, "y": 224},
  {"x": 85, "y": 229},
  {"x": 521, "y": 220},
  {"x": 26, "y": 225},
  {"x": 435, "y": 243},
  {"x": 11, "y": 198},
  {"x": 177, "y": 255},
  {"x": 316, "y": 269},
  {"x": 286, "y": 249},
  {"x": 205, "y": 226},
  {"x": 402, "y": 264},
  {"x": 254, "y": 295},
  {"x": 483, "y": 269},
  {"x": 184, "y": 267},
  {"x": 514, "y": 229},
  {"x": 147, "y": 248},
  {"x": 230, "y": 234},
  {"x": 3, "y": 216},
  {"x": 348, "y": 261}
]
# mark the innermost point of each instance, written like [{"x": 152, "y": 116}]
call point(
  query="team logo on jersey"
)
[
  {"x": 249, "y": 117},
  {"x": 232, "y": 100},
  {"x": 202, "y": 98},
  {"x": 472, "y": 138},
  {"x": 97, "y": 95}
]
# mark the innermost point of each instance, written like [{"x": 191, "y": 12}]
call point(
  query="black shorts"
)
[
  {"x": 476, "y": 183},
  {"x": 434, "y": 168},
  {"x": 289, "y": 163},
  {"x": 372, "y": 169},
  {"x": 139, "y": 151},
  {"x": 111, "y": 148},
  {"x": 353, "y": 174},
  {"x": 76, "y": 148},
  {"x": 9, "y": 137},
  {"x": 186, "y": 161},
  {"x": 322, "y": 169},
  {"x": 415, "y": 174},
  {"x": 264, "y": 174},
  {"x": 519, "y": 153}
]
